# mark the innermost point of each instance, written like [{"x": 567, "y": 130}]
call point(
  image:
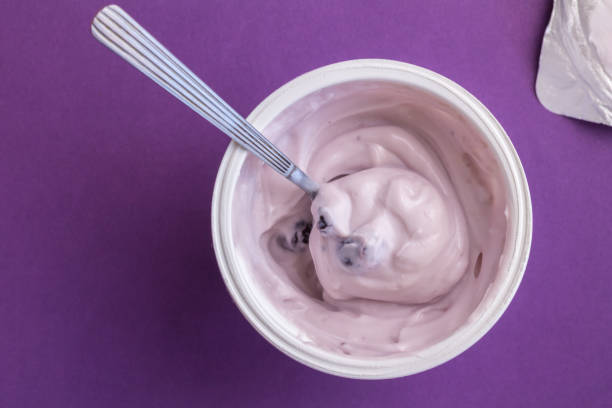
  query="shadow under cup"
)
[{"x": 377, "y": 82}]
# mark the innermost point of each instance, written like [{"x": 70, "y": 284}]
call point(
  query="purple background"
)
[{"x": 110, "y": 295}]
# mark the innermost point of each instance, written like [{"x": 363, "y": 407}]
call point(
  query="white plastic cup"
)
[{"x": 276, "y": 329}]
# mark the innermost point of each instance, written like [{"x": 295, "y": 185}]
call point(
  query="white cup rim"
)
[{"x": 513, "y": 266}]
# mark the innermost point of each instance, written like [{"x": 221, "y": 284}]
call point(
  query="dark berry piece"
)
[
  {"x": 322, "y": 224},
  {"x": 306, "y": 233},
  {"x": 351, "y": 251},
  {"x": 296, "y": 238}
]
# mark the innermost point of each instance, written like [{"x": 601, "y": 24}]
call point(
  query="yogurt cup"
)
[{"x": 277, "y": 330}]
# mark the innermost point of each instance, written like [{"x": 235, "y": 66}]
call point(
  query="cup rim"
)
[{"x": 520, "y": 233}]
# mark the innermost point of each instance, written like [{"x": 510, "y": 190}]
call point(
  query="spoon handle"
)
[{"x": 114, "y": 28}]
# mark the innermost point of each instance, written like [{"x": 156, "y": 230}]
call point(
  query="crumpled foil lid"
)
[{"x": 575, "y": 74}]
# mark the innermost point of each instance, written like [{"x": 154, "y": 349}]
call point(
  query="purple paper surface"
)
[{"x": 110, "y": 295}]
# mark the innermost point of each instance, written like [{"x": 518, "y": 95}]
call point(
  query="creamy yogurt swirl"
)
[
  {"x": 398, "y": 250},
  {"x": 387, "y": 234}
]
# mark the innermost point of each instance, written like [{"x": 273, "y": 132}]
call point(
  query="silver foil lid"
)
[{"x": 575, "y": 74}]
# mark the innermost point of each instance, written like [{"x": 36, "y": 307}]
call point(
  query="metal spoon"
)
[{"x": 114, "y": 28}]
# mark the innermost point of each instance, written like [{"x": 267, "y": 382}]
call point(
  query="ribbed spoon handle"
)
[{"x": 114, "y": 28}]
